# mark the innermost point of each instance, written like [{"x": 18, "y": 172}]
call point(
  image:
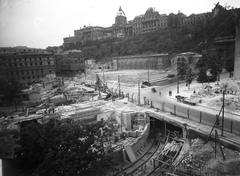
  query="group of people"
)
[{"x": 170, "y": 93}]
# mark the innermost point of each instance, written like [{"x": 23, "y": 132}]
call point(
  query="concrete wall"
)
[
  {"x": 157, "y": 61},
  {"x": 237, "y": 54},
  {"x": 141, "y": 141}
]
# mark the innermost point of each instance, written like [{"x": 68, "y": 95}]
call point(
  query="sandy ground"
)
[
  {"x": 209, "y": 100},
  {"x": 131, "y": 77}
]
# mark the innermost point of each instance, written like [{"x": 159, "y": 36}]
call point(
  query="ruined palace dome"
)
[{"x": 121, "y": 12}]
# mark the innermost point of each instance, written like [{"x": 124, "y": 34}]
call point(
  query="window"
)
[
  {"x": 30, "y": 64},
  {"x": 49, "y": 70},
  {"x": 23, "y": 78},
  {"x": 40, "y": 63},
  {"x": 28, "y": 77},
  {"x": 48, "y": 63},
  {"x": 33, "y": 77},
  {"x": 32, "y": 72}
]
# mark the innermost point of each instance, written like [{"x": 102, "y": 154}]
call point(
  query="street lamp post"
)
[
  {"x": 148, "y": 74},
  {"x": 223, "y": 110},
  {"x": 177, "y": 79},
  {"x": 139, "y": 93}
]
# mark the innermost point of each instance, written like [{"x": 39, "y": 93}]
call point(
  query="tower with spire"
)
[{"x": 121, "y": 18}]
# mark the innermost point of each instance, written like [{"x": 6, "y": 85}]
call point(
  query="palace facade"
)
[{"x": 150, "y": 21}]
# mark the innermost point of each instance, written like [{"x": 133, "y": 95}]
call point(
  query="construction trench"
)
[
  {"x": 175, "y": 148},
  {"x": 156, "y": 142}
]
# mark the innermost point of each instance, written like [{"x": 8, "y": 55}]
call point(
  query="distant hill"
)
[{"x": 194, "y": 38}]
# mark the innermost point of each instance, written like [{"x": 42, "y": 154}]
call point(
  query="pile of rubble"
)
[{"x": 200, "y": 160}]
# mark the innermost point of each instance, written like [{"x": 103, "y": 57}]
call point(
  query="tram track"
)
[
  {"x": 166, "y": 159},
  {"x": 149, "y": 149},
  {"x": 159, "y": 157}
]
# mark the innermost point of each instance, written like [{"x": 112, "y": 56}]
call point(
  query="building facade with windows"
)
[
  {"x": 27, "y": 66},
  {"x": 152, "y": 62},
  {"x": 69, "y": 62},
  {"x": 150, "y": 21}
]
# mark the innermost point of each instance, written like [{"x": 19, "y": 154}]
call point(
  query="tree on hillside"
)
[
  {"x": 189, "y": 77},
  {"x": 182, "y": 67},
  {"x": 230, "y": 66},
  {"x": 58, "y": 148},
  {"x": 201, "y": 66},
  {"x": 214, "y": 64},
  {"x": 10, "y": 89},
  {"x": 173, "y": 20}
]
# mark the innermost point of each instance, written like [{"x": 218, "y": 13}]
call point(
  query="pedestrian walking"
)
[{"x": 160, "y": 93}]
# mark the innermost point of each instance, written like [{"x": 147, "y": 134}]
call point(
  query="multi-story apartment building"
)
[
  {"x": 150, "y": 21},
  {"x": 69, "y": 62},
  {"x": 26, "y": 65}
]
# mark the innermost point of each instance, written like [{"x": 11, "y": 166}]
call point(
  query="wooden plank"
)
[{"x": 163, "y": 162}]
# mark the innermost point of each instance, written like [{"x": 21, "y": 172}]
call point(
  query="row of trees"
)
[
  {"x": 10, "y": 90},
  {"x": 209, "y": 62},
  {"x": 58, "y": 148}
]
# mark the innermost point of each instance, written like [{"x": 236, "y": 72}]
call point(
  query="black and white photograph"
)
[{"x": 119, "y": 88}]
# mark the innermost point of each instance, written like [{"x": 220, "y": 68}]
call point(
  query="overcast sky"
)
[{"x": 42, "y": 23}]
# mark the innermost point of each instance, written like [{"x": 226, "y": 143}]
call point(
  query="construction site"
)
[{"x": 145, "y": 140}]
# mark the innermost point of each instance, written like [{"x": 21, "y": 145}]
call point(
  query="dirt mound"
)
[{"x": 201, "y": 160}]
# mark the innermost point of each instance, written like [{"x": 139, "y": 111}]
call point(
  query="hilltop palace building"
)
[{"x": 148, "y": 22}]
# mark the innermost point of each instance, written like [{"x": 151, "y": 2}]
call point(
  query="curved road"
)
[{"x": 196, "y": 113}]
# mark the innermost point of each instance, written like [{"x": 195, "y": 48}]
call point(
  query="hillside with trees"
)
[{"x": 174, "y": 39}]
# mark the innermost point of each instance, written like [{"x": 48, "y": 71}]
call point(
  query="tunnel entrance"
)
[{"x": 163, "y": 126}]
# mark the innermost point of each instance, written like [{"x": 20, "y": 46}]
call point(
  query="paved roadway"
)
[{"x": 206, "y": 115}]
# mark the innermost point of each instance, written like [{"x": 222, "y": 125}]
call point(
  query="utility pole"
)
[
  {"x": 148, "y": 74},
  {"x": 177, "y": 79},
  {"x": 138, "y": 92},
  {"x": 98, "y": 84},
  {"x": 223, "y": 110},
  {"x": 119, "y": 85}
]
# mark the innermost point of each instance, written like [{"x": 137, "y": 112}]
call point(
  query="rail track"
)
[
  {"x": 142, "y": 156},
  {"x": 158, "y": 157},
  {"x": 165, "y": 161}
]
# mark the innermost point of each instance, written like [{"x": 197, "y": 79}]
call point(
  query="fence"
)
[
  {"x": 195, "y": 115},
  {"x": 192, "y": 114}
]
